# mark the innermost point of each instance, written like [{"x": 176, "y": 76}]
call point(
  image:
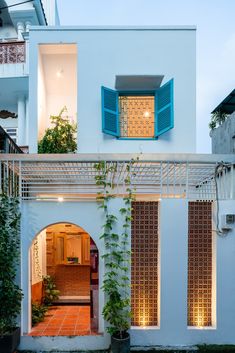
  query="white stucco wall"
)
[
  {"x": 173, "y": 252},
  {"x": 42, "y": 99},
  {"x": 35, "y": 217},
  {"x": 8, "y": 32},
  {"x": 104, "y": 53}
]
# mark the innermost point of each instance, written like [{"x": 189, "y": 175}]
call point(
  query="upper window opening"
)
[
  {"x": 136, "y": 116},
  {"x": 139, "y": 115}
]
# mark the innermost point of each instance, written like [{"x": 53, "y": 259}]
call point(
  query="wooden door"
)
[
  {"x": 50, "y": 251},
  {"x": 86, "y": 249}
]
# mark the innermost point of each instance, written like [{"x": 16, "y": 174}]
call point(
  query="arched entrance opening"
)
[{"x": 65, "y": 256}]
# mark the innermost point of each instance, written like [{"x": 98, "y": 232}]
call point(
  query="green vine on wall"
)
[
  {"x": 10, "y": 292},
  {"x": 116, "y": 283}
]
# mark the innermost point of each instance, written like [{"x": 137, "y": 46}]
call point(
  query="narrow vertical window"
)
[
  {"x": 144, "y": 268},
  {"x": 200, "y": 264}
]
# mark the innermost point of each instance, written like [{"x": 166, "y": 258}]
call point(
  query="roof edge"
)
[{"x": 114, "y": 28}]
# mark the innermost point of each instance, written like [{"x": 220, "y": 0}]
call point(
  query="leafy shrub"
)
[
  {"x": 50, "y": 291},
  {"x": 60, "y": 138},
  {"x": 10, "y": 293},
  {"x": 38, "y": 313}
]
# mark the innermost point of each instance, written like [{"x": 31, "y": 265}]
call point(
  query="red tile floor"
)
[{"x": 64, "y": 320}]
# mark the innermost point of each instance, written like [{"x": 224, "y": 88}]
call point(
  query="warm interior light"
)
[
  {"x": 59, "y": 73},
  {"x": 60, "y": 199},
  {"x": 147, "y": 114}
]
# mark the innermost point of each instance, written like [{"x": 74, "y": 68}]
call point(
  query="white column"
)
[
  {"x": 20, "y": 29},
  {"x": 27, "y": 26},
  {"x": 21, "y": 121},
  {"x": 173, "y": 263},
  {"x": 27, "y": 121}
]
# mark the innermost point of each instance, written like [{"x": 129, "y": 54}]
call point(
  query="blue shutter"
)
[
  {"x": 164, "y": 108},
  {"x": 110, "y": 115}
]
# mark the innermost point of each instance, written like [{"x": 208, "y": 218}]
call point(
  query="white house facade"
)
[{"x": 132, "y": 93}]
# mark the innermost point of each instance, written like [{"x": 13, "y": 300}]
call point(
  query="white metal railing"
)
[{"x": 46, "y": 177}]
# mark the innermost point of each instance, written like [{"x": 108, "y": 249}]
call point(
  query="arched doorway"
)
[{"x": 68, "y": 255}]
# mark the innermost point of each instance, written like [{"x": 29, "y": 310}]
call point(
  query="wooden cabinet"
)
[{"x": 67, "y": 248}]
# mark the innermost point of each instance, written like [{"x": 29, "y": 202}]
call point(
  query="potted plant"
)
[
  {"x": 10, "y": 293},
  {"x": 60, "y": 138},
  {"x": 116, "y": 284}
]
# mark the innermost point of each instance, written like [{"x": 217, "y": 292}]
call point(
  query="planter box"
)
[{"x": 10, "y": 342}]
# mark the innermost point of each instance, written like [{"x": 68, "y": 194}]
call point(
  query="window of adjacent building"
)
[
  {"x": 138, "y": 114},
  {"x": 233, "y": 144},
  {"x": 12, "y": 132}
]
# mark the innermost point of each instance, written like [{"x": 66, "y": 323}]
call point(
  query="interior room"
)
[
  {"x": 57, "y": 83},
  {"x": 64, "y": 278}
]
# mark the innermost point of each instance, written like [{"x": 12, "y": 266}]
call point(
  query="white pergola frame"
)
[{"x": 72, "y": 176}]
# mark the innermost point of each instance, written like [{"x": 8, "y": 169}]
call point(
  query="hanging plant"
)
[
  {"x": 61, "y": 137},
  {"x": 116, "y": 283},
  {"x": 217, "y": 119}
]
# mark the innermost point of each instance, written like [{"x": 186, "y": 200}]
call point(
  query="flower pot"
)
[
  {"x": 120, "y": 345},
  {"x": 10, "y": 341}
]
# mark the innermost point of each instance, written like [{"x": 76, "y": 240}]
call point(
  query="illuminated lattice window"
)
[
  {"x": 136, "y": 116},
  {"x": 144, "y": 266},
  {"x": 145, "y": 114},
  {"x": 200, "y": 264}
]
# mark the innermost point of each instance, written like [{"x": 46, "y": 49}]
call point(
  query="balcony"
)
[{"x": 13, "y": 59}]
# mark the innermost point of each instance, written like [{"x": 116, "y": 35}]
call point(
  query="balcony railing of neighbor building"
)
[
  {"x": 12, "y": 52},
  {"x": 154, "y": 176},
  {"x": 7, "y": 145}
]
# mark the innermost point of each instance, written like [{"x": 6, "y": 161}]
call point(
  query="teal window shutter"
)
[
  {"x": 110, "y": 114},
  {"x": 164, "y": 108}
]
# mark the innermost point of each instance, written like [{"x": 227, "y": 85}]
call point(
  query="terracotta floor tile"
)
[
  {"x": 66, "y": 333},
  {"x": 64, "y": 321},
  {"x": 83, "y": 333},
  {"x": 50, "y": 333}
]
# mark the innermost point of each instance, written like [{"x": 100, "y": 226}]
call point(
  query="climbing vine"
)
[
  {"x": 116, "y": 283},
  {"x": 10, "y": 292}
]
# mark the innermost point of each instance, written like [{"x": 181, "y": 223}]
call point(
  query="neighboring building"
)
[
  {"x": 15, "y": 21},
  {"x": 131, "y": 91},
  {"x": 223, "y": 136}
]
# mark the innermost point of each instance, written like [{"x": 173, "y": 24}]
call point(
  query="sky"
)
[{"x": 215, "y": 40}]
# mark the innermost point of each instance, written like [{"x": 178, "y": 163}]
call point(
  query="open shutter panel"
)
[
  {"x": 164, "y": 108},
  {"x": 110, "y": 118}
]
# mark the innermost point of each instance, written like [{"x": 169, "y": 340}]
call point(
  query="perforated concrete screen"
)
[
  {"x": 144, "y": 267},
  {"x": 200, "y": 264},
  {"x": 136, "y": 116}
]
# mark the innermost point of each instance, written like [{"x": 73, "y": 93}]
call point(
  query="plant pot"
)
[
  {"x": 120, "y": 345},
  {"x": 10, "y": 341}
]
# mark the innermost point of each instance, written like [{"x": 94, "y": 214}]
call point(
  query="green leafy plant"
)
[
  {"x": 116, "y": 283},
  {"x": 61, "y": 137},
  {"x": 50, "y": 292},
  {"x": 217, "y": 119},
  {"x": 10, "y": 293},
  {"x": 38, "y": 312}
]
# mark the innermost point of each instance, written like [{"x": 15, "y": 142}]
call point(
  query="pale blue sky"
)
[{"x": 215, "y": 39}]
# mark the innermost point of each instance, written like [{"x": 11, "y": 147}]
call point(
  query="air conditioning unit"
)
[{"x": 227, "y": 221}]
